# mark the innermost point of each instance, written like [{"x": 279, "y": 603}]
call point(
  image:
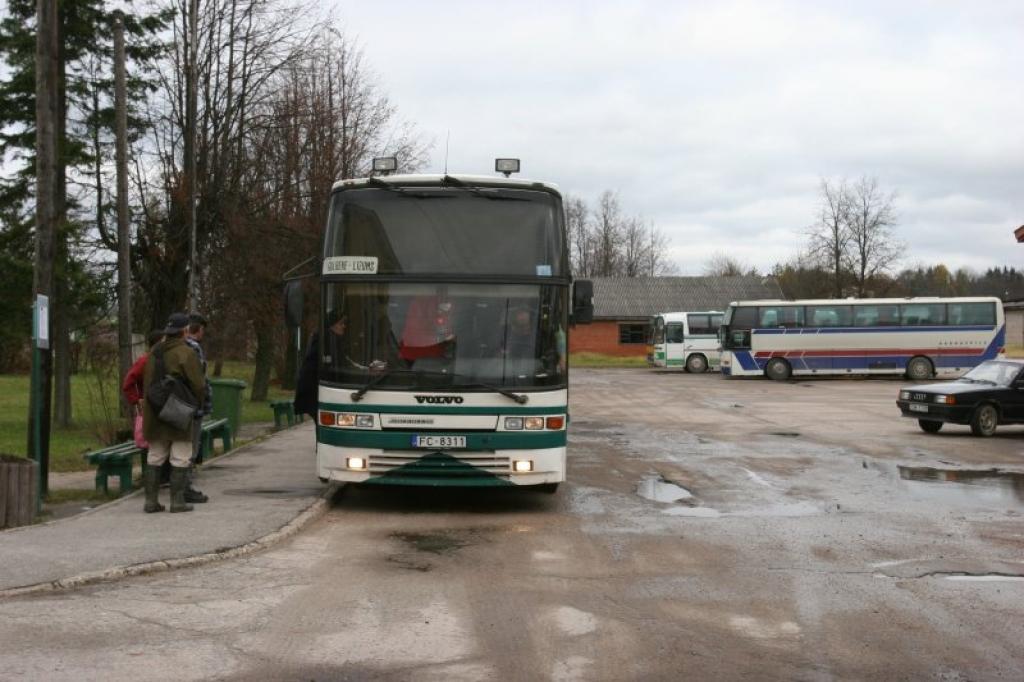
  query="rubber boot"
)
[
  {"x": 151, "y": 482},
  {"x": 191, "y": 494},
  {"x": 179, "y": 481}
]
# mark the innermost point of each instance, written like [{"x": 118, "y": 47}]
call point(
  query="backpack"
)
[{"x": 171, "y": 398}]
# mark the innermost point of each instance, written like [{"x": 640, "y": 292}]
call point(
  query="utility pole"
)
[
  {"x": 47, "y": 108},
  {"x": 124, "y": 288},
  {"x": 191, "y": 123}
]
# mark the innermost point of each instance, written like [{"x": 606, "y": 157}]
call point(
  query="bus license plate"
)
[
  {"x": 917, "y": 408},
  {"x": 439, "y": 441}
]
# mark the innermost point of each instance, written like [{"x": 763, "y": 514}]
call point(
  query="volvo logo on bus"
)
[{"x": 440, "y": 399}]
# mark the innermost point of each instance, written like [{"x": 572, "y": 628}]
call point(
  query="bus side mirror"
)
[
  {"x": 582, "y": 301},
  {"x": 293, "y": 304}
]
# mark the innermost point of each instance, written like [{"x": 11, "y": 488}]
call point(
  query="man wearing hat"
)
[
  {"x": 166, "y": 441},
  {"x": 193, "y": 337}
]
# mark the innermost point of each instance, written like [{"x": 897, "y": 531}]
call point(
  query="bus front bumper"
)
[{"x": 457, "y": 468}]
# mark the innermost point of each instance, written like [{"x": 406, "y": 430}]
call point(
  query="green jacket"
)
[{"x": 183, "y": 362}]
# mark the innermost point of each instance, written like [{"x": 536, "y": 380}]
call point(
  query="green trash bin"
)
[{"x": 227, "y": 401}]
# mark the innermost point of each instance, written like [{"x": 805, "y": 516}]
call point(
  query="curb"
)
[{"x": 310, "y": 514}]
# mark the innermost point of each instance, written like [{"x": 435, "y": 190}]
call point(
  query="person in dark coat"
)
[
  {"x": 165, "y": 441},
  {"x": 307, "y": 384}
]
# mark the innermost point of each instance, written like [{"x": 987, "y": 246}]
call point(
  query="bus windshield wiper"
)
[
  {"x": 473, "y": 383},
  {"x": 450, "y": 181},
  {"x": 358, "y": 395}
]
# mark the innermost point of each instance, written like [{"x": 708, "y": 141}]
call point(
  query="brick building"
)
[{"x": 623, "y": 307}]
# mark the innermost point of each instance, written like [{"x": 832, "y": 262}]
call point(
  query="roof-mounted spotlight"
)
[
  {"x": 385, "y": 164},
  {"x": 506, "y": 166}
]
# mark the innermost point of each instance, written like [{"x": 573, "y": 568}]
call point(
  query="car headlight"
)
[
  {"x": 945, "y": 399},
  {"x": 904, "y": 395}
]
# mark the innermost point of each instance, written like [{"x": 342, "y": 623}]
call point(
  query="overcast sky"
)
[{"x": 716, "y": 120}]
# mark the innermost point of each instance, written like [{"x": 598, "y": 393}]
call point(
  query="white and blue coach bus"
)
[
  {"x": 918, "y": 337},
  {"x": 446, "y": 302}
]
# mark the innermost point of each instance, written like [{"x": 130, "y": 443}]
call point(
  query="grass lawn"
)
[
  {"x": 91, "y": 420},
  {"x": 599, "y": 360}
]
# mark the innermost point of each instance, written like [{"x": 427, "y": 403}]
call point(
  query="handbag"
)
[
  {"x": 171, "y": 398},
  {"x": 140, "y": 439}
]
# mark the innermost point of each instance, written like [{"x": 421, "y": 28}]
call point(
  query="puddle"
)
[
  {"x": 275, "y": 492},
  {"x": 969, "y": 486},
  {"x": 658, "y": 489},
  {"x": 432, "y": 543}
]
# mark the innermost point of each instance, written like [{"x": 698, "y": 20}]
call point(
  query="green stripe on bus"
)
[
  {"x": 402, "y": 440},
  {"x": 443, "y": 409}
]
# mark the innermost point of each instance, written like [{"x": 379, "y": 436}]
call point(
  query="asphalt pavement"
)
[{"x": 258, "y": 493}]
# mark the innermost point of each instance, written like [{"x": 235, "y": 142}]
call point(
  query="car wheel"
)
[
  {"x": 985, "y": 420},
  {"x": 919, "y": 369},
  {"x": 778, "y": 369},
  {"x": 696, "y": 364},
  {"x": 929, "y": 426}
]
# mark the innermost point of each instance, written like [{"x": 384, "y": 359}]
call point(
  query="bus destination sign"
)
[{"x": 350, "y": 265}]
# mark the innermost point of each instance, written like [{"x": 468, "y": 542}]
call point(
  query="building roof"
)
[{"x": 635, "y": 298}]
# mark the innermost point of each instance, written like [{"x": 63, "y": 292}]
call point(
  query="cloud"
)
[{"x": 717, "y": 120}]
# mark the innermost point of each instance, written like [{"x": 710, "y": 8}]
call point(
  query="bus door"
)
[{"x": 675, "y": 354}]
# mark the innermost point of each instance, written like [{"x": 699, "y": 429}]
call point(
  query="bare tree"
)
[
  {"x": 608, "y": 235},
  {"x": 871, "y": 216},
  {"x": 723, "y": 265},
  {"x": 581, "y": 247},
  {"x": 830, "y": 235},
  {"x": 656, "y": 253},
  {"x": 634, "y": 247}
]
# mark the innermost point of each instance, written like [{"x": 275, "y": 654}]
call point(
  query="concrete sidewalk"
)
[{"x": 258, "y": 493}]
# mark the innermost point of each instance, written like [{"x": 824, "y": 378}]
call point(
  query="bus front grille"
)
[{"x": 435, "y": 464}]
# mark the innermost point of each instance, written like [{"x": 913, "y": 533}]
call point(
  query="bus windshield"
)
[
  {"x": 444, "y": 335},
  {"x": 465, "y": 231}
]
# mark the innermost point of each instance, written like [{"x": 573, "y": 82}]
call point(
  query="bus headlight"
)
[
  {"x": 346, "y": 419},
  {"x": 513, "y": 423},
  {"x": 522, "y": 466},
  {"x": 355, "y": 463},
  {"x": 533, "y": 423},
  {"x": 364, "y": 421}
]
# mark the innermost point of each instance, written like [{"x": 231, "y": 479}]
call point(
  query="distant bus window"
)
[
  {"x": 876, "y": 316},
  {"x": 781, "y": 316},
  {"x": 829, "y": 316},
  {"x": 963, "y": 314},
  {"x": 700, "y": 325},
  {"x": 716, "y": 322},
  {"x": 743, "y": 318},
  {"x": 923, "y": 314}
]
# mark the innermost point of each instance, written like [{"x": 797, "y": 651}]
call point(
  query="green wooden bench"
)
[
  {"x": 284, "y": 413},
  {"x": 213, "y": 429},
  {"x": 115, "y": 460}
]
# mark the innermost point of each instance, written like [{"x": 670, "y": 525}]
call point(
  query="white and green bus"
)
[
  {"x": 686, "y": 341},
  {"x": 446, "y": 302}
]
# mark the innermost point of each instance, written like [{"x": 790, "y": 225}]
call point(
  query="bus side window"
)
[
  {"x": 788, "y": 316},
  {"x": 964, "y": 314},
  {"x": 674, "y": 332},
  {"x": 876, "y": 316}
]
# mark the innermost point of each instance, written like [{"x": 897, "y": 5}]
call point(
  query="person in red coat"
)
[{"x": 131, "y": 387}]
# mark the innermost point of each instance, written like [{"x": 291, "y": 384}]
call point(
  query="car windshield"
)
[{"x": 994, "y": 372}]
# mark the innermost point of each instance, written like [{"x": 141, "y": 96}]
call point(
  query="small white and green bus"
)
[{"x": 687, "y": 341}]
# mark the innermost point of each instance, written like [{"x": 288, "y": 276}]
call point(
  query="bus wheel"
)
[
  {"x": 929, "y": 426},
  {"x": 919, "y": 369},
  {"x": 778, "y": 369},
  {"x": 984, "y": 420},
  {"x": 696, "y": 364}
]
